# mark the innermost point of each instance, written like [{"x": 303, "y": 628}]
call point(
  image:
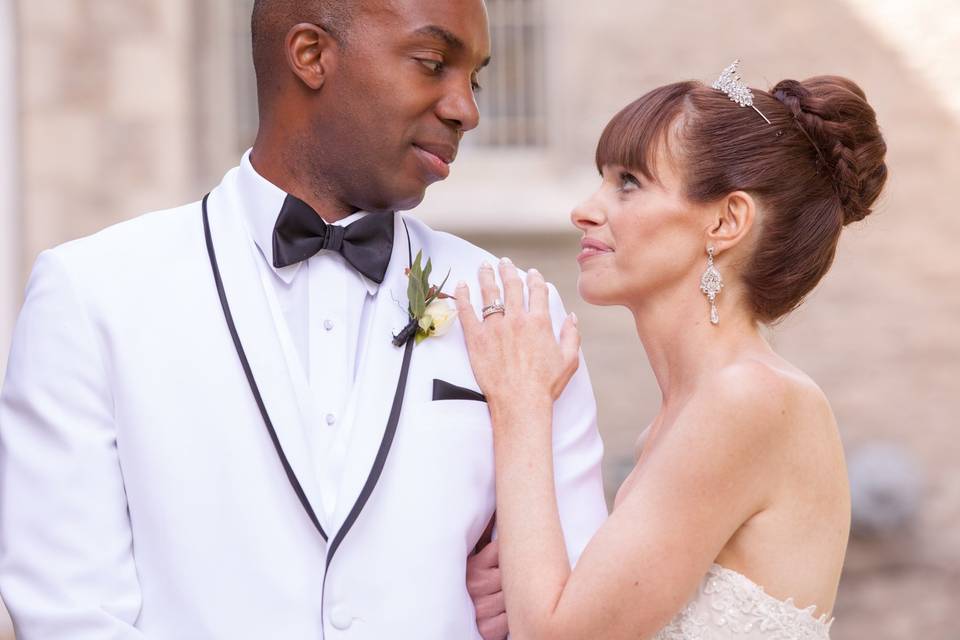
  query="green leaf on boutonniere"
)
[
  {"x": 426, "y": 274},
  {"x": 415, "y": 289},
  {"x": 428, "y": 316}
]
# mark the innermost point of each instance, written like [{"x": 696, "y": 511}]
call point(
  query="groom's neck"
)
[{"x": 273, "y": 160}]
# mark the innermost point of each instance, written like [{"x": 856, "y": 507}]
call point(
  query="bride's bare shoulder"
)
[
  {"x": 771, "y": 375},
  {"x": 765, "y": 398}
]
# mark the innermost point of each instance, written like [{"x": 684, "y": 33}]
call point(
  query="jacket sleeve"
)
[
  {"x": 66, "y": 556},
  {"x": 577, "y": 453}
]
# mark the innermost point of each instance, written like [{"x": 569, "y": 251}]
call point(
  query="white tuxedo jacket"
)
[{"x": 143, "y": 496}]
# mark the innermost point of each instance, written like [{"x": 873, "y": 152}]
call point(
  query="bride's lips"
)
[
  {"x": 436, "y": 158},
  {"x": 591, "y": 248}
]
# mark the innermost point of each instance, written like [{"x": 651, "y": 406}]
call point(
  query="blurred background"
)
[{"x": 110, "y": 108}]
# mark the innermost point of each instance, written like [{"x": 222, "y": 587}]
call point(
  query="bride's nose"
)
[{"x": 587, "y": 215}]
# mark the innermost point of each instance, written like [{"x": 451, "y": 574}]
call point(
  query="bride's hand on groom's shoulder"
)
[{"x": 516, "y": 357}]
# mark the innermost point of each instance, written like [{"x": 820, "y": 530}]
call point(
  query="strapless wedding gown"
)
[{"x": 729, "y": 606}]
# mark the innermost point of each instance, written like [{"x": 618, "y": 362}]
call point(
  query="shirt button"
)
[
  {"x": 328, "y": 325},
  {"x": 331, "y": 419},
  {"x": 340, "y": 618}
]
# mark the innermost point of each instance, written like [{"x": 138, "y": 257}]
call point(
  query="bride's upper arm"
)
[{"x": 712, "y": 469}]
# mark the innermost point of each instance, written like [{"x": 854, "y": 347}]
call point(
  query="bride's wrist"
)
[{"x": 519, "y": 407}]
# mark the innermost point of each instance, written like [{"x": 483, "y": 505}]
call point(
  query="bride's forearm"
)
[{"x": 533, "y": 555}]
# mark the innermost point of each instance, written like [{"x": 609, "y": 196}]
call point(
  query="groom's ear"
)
[
  {"x": 733, "y": 220},
  {"x": 310, "y": 53}
]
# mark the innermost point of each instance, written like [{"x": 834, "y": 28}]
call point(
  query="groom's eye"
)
[{"x": 434, "y": 66}]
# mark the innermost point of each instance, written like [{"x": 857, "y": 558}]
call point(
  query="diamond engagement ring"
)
[{"x": 495, "y": 308}]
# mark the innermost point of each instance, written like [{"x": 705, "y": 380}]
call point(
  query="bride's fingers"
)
[
  {"x": 468, "y": 317},
  {"x": 512, "y": 287},
  {"x": 489, "y": 290},
  {"x": 537, "y": 287}
]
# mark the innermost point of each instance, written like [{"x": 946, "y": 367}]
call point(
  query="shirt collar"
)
[{"x": 264, "y": 201}]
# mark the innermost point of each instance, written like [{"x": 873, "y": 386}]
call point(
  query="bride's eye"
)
[{"x": 628, "y": 181}]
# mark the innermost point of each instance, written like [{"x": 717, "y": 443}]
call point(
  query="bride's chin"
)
[{"x": 595, "y": 293}]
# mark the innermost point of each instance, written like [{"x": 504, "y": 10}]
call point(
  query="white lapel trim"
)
[
  {"x": 377, "y": 378},
  {"x": 258, "y": 335}
]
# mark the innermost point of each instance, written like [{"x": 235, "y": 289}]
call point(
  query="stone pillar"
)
[
  {"x": 107, "y": 103},
  {"x": 10, "y": 221},
  {"x": 10, "y": 210},
  {"x": 9, "y": 205},
  {"x": 128, "y": 106}
]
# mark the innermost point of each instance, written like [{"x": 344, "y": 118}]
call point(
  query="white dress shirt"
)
[{"x": 321, "y": 307}]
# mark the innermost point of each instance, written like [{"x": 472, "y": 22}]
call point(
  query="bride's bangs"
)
[{"x": 635, "y": 136}]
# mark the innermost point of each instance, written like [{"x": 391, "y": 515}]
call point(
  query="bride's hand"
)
[{"x": 516, "y": 357}]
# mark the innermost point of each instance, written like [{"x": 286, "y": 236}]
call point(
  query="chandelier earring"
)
[{"x": 711, "y": 282}]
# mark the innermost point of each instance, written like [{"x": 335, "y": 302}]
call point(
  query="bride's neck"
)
[{"x": 683, "y": 346}]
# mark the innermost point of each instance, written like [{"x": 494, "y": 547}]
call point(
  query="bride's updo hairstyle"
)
[{"x": 817, "y": 168}]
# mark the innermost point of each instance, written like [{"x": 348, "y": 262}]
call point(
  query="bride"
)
[{"x": 720, "y": 209}]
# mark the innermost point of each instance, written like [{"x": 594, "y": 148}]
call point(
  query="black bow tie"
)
[{"x": 300, "y": 233}]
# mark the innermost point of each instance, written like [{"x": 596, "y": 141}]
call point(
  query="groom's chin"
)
[
  {"x": 395, "y": 199},
  {"x": 410, "y": 202},
  {"x": 410, "y": 193}
]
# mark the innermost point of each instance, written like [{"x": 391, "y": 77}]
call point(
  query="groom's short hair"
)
[
  {"x": 275, "y": 17},
  {"x": 272, "y": 19}
]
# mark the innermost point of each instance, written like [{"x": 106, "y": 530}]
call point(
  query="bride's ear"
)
[{"x": 732, "y": 221}]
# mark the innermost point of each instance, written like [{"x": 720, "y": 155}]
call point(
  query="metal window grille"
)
[{"x": 513, "y": 100}]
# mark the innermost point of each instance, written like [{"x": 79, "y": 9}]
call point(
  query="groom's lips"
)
[
  {"x": 591, "y": 248},
  {"x": 436, "y": 158}
]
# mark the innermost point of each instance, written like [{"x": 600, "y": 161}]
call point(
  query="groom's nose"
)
[{"x": 458, "y": 108}]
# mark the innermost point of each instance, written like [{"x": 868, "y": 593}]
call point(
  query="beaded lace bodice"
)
[{"x": 729, "y": 606}]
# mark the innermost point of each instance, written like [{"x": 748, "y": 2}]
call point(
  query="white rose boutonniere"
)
[
  {"x": 437, "y": 319},
  {"x": 431, "y": 313}
]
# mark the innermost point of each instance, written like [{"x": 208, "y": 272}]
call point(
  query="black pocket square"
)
[{"x": 443, "y": 390}]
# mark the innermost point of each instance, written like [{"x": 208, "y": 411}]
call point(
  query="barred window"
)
[{"x": 513, "y": 100}]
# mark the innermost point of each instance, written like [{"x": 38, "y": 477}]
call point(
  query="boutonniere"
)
[{"x": 431, "y": 313}]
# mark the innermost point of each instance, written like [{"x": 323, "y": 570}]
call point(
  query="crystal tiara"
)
[{"x": 730, "y": 83}]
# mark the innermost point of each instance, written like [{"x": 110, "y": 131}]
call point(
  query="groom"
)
[{"x": 207, "y": 428}]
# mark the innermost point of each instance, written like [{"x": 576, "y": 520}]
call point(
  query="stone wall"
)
[{"x": 109, "y": 114}]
